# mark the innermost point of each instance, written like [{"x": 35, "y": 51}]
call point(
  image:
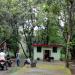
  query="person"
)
[
  {"x": 27, "y": 61},
  {"x": 18, "y": 59},
  {"x": 8, "y": 60},
  {"x": 3, "y": 57},
  {"x": 8, "y": 57}
]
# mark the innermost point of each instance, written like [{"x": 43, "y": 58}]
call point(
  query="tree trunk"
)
[
  {"x": 22, "y": 48},
  {"x": 67, "y": 51},
  {"x": 69, "y": 29}
]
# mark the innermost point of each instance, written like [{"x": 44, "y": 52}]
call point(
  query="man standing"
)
[{"x": 18, "y": 59}]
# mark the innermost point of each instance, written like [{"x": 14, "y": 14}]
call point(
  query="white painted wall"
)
[
  {"x": 56, "y": 55},
  {"x": 41, "y": 54},
  {"x": 38, "y": 54}
]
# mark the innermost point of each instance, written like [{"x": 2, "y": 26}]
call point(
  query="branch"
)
[{"x": 22, "y": 48}]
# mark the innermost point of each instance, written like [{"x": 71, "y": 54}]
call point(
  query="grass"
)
[
  {"x": 62, "y": 68},
  {"x": 20, "y": 70},
  {"x": 68, "y": 72},
  {"x": 56, "y": 68},
  {"x": 14, "y": 69},
  {"x": 51, "y": 67}
]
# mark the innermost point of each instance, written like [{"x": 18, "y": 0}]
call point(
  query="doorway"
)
[{"x": 47, "y": 55}]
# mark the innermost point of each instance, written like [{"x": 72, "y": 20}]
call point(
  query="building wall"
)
[
  {"x": 41, "y": 54},
  {"x": 38, "y": 54},
  {"x": 56, "y": 55}
]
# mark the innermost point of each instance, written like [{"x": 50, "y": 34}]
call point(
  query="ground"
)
[
  {"x": 72, "y": 67},
  {"x": 42, "y": 68}
]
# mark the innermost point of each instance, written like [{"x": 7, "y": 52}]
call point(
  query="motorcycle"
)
[{"x": 3, "y": 64}]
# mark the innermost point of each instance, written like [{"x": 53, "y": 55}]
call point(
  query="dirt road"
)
[
  {"x": 3, "y": 73},
  {"x": 9, "y": 71}
]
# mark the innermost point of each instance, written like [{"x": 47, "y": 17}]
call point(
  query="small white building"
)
[{"x": 43, "y": 51}]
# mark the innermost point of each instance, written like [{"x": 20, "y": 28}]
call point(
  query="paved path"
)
[
  {"x": 43, "y": 72},
  {"x": 3, "y": 73}
]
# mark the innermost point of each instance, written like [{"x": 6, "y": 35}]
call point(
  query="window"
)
[
  {"x": 38, "y": 49},
  {"x": 55, "y": 49}
]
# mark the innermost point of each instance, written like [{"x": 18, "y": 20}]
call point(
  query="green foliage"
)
[
  {"x": 8, "y": 22},
  {"x": 5, "y": 32},
  {"x": 55, "y": 8},
  {"x": 48, "y": 15},
  {"x": 30, "y": 13}
]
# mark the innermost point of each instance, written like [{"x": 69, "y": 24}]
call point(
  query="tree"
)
[
  {"x": 28, "y": 23},
  {"x": 48, "y": 22},
  {"x": 46, "y": 15},
  {"x": 9, "y": 20},
  {"x": 4, "y": 32}
]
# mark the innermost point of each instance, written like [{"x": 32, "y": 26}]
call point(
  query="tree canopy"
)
[{"x": 54, "y": 20}]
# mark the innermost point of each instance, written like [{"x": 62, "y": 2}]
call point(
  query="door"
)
[{"x": 46, "y": 55}]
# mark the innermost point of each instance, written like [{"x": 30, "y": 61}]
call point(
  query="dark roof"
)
[{"x": 46, "y": 45}]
